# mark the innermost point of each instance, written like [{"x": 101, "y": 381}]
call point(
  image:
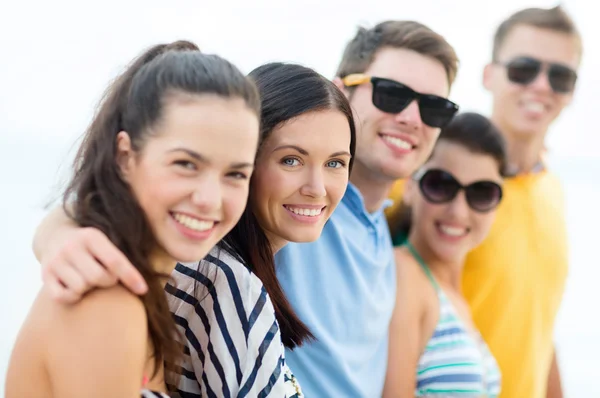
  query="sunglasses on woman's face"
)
[
  {"x": 524, "y": 70},
  {"x": 391, "y": 96},
  {"x": 438, "y": 186}
]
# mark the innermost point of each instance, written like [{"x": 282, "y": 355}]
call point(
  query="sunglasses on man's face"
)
[
  {"x": 438, "y": 186},
  {"x": 391, "y": 96},
  {"x": 524, "y": 70}
]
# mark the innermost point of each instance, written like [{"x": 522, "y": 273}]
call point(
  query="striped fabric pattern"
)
[
  {"x": 454, "y": 364},
  {"x": 232, "y": 340}
]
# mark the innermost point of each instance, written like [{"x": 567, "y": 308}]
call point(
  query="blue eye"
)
[
  {"x": 336, "y": 164},
  {"x": 290, "y": 162}
]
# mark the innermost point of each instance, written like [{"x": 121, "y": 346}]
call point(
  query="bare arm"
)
[
  {"x": 554, "y": 389},
  {"x": 98, "y": 347},
  {"x": 75, "y": 260},
  {"x": 405, "y": 333}
]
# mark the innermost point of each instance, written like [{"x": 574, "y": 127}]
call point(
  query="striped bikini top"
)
[{"x": 454, "y": 363}]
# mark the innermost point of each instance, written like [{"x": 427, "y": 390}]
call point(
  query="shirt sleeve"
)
[{"x": 227, "y": 322}]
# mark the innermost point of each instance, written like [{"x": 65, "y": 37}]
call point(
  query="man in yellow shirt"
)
[{"x": 515, "y": 280}]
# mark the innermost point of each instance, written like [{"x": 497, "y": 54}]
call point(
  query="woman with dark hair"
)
[
  {"x": 449, "y": 207},
  {"x": 231, "y": 310},
  {"x": 164, "y": 180}
]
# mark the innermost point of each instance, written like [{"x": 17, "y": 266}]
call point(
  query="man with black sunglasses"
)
[{"x": 515, "y": 280}]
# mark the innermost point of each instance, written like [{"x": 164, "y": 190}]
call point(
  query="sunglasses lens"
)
[
  {"x": 436, "y": 111},
  {"x": 437, "y": 186},
  {"x": 390, "y": 96},
  {"x": 523, "y": 70},
  {"x": 562, "y": 79},
  {"x": 484, "y": 195}
]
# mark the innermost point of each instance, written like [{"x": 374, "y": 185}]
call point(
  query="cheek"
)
[
  {"x": 482, "y": 223},
  {"x": 268, "y": 184},
  {"x": 336, "y": 187},
  {"x": 234, "y": 204}
]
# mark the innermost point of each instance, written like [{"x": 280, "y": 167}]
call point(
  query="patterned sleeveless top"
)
[{"x": 454, "y": 363}]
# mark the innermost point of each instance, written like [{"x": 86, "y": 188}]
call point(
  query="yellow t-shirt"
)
[{"x": 514, "y": 281}]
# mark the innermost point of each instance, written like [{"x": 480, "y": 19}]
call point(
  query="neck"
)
[
  {"x": 446, "y": 273},
  {"x": 277, "y": 242},
  {"x": 524, "y": 153},
  {"x": 373, "y": 189},
  {"x": 163, "y": 263}
]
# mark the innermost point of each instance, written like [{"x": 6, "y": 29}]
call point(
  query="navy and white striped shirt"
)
[{"x": 232, "y": 340}]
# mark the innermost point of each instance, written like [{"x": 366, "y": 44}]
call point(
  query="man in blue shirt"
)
[{"x": 343, "y": 285}]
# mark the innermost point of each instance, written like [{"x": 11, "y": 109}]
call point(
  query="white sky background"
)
[{"x": 57, "y": 56}]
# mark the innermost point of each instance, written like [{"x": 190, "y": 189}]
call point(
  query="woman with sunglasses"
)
[{"x": 448, "y": 209}]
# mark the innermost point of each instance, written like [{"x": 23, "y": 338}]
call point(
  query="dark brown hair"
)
[
  {"x": 102, "y": 199},
  {"x": 361, "y": 50},
  {"x": 287, "y": 91},
  {"x": 555, "y": 19},
  {"x": 476, "y": 133}
]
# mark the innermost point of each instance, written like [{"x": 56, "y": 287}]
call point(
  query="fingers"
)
[{"x": 114, "y": 262}]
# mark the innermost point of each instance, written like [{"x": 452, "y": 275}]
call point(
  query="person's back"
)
[
  {"x": 107, "y": 323},
  {"x": 343, "y": 285}
]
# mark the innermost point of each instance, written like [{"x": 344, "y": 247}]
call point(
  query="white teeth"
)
[
  {"x": 397, "y": 142},
  {"x": 305, "y": 212},
  {"x": 192, "y": 223},
  {"x": 452, "y": 231},
  {"x": 533, "y": 106}
]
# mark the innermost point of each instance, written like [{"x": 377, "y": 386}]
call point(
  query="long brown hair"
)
[
  {"x": 102, "y": 199},
  {"x": 287, "y": 91}
]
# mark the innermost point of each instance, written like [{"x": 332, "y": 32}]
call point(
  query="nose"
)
[
  {"x": 541, "y": 82},
  {"x": 410, "y": 116},
  {"x": 459, "y": 207},
  {"x": 314, "y": 185},
  {"x": 207, "y": 193}
]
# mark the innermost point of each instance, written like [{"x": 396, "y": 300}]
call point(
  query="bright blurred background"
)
[{"x": 57, "y": 57}]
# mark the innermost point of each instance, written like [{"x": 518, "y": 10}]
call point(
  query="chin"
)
[
  {"x": 304, "y": 237},
  {"x": 187, "y": 253}
]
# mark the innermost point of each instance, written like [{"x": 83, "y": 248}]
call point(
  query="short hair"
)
[
  {"x": 555, "y": 19},
  {"x": 361, "y": 50}
]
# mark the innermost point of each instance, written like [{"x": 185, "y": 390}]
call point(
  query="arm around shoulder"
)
[{"x": 99, "y": 346}]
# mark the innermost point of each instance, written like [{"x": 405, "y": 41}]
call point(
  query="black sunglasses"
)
[
  {"x": 524, "y": 70},
  {"x": 391, "y": 96},
  {"x": 438, "y": 186}
]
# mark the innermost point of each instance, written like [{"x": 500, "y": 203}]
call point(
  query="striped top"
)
[
  {"x": 454, "y": 363},
  {"x": 232, "y": 342}
]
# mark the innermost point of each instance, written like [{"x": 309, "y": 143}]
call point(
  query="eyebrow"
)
[
  {"x": 202, "y": 159},
  {"x": 305, "y": 152}
]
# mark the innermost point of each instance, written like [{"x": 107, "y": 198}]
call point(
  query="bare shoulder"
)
[{"x": 114, "y": 315}]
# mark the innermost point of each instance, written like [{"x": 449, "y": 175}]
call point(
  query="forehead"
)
[
  {"x": 544, "y": 44},
  {"x": 422, "y": 73},
  {"x": 465, "y": 165},
  {"x": 197, "y": 123},
  {"x": 327, "y": 130}
]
